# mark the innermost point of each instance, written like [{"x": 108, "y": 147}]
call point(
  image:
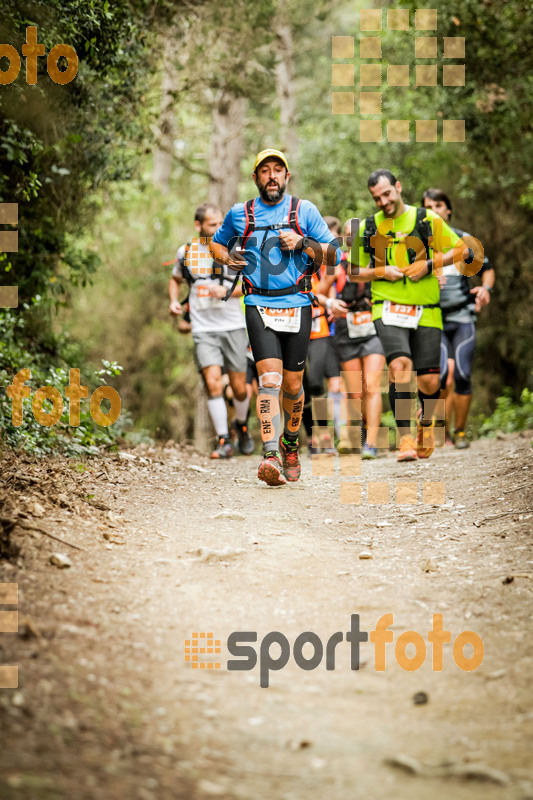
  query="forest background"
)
[{"x": 171, "y": 103}]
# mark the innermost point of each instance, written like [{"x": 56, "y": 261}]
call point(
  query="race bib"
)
[
  {"x": 360, "y": 324},
  {"x": 284, "y": 320},
  {"x": 403, "y": 316},
  {"x": 205, "y": 300}
]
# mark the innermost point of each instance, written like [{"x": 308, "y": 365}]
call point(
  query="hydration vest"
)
[
  {"x": 303, "y": 284},
  {"x": 465, "y": 282},
  {"x": 422, "y": 230}
]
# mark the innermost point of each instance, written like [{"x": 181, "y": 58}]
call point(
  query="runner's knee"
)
[
  {"x": 430, "y": 383},
  {"x": 463, "y": 383},
  {"x": 400, "y": 370},
  {"x": 270, "y": 380},
  {"x": 293, "y": 388},
  {"x": 214, "y": 386}
]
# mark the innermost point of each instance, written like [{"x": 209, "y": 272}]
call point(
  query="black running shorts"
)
[
  {"x": 421, "y": 345},
  {"x": 291, "y": 348},
  {"x": 322, "y": 363}
]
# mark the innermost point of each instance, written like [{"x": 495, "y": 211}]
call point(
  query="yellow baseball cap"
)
[{"x": 264, "y": 154}]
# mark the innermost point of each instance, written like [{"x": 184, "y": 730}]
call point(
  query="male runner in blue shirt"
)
[{"x": 278, "y": 236}]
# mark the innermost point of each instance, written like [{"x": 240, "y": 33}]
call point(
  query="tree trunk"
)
[
  {"x": 202, "y": 421},
  {"x": 165, "y": 134},
  {"x": 285, "y": 89},
  {"x": 227, "y": 142}
]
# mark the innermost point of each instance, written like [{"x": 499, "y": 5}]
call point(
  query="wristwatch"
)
[{"x": 305, "y": 243}]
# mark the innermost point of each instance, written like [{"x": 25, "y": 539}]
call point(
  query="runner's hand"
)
[
  {"x": 217, "y": 291},
  {"x": 390, "y": 273},
  {"x": 415, "y": 271},
  {"x": 482, "y": 297},
  {"x": 289, "y": 240},
  {"x": 442, "y": 279},
  {"x": 338, "y": 309},
  {"x": 235, "y": 261},
  {"x": 175, "y": 308}
]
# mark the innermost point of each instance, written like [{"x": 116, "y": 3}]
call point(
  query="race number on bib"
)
[
  {"x": 205, "y": 300},
  {"x": 402, "y": 316},
  {"x": 284, "y": 320},
  {"x": 360, "y": 324}
]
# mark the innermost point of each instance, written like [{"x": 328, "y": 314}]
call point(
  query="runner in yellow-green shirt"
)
[{"x": 405, "y": 301}]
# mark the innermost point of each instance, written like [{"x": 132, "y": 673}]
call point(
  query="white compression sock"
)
[
  {"x": 218, "y": 413},
  {"x": 241, "y": 409},
  {"x": 336, "y": 397}
]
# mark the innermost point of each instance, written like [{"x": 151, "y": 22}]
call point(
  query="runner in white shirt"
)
[{"x": 218, "y": 328}]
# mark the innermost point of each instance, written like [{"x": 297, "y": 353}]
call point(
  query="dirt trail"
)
[{"x": 173, "y": 544}]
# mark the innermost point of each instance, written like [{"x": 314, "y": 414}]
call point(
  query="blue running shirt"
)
[{"x": 274, "y": 268}]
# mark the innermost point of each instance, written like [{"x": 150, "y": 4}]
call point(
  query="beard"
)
[{"x": 272, "y": 194}]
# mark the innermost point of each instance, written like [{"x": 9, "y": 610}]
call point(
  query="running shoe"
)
[
  {"x": 312, "y": 450},
  {"x": 407, "y": 451},
  {"x": 246, "y": 443},
  {"x": 425, "y": 437},
  {"x": 224, "y": 449},
  {"x": 350, "y": 440},
  {"x": 270, "y": 469},
  {"x": 289, "y": 456},
  {"x": 369, "y": 452},
  {"x": 461, "y": 442}
]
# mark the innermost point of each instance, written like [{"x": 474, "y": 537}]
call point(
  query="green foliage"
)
[
  {"x": 124, "y": 314},
  {"x": 59, "y": 144},
  {"x": 509, "y": 415},
  {"x": 18, "y": 351}
]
